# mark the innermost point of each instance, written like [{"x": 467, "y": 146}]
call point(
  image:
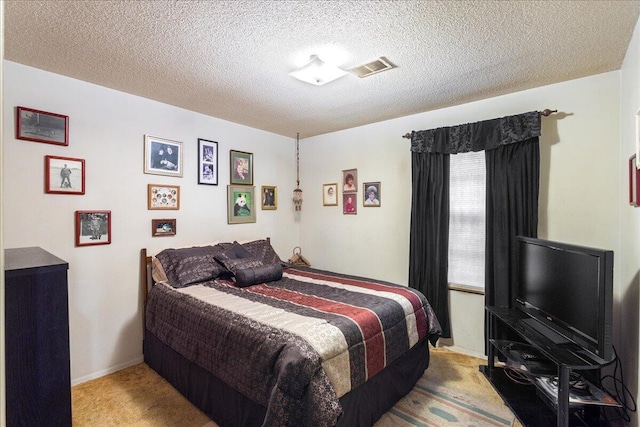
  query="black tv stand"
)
[{"x": 528, "y": 402}]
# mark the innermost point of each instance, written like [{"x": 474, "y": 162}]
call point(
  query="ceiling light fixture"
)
[{"x": 317, "y": 72}]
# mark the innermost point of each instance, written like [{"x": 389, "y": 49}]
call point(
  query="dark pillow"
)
[
  {"x": 259, "y": 274},
  {"x": 262, "y": 250},
  {"x": 234, "y": 264},
  {"x": 235, "y": 251},
  {"x": 188, "y": 266}
]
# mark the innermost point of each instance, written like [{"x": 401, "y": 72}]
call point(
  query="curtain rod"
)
[{"x": 546, "y": 113}]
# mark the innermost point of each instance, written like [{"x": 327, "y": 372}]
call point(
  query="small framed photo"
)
[
  {"x": 371, "y": 194},
  {"x": 349, "y": 204},
  {"x": 240, "y": 204},
  {"x": 330, "y": 194},
  {"x": 634, "y": 182},
  {"x": 350, "y": 181},
  {"x": 63, "y": 175},
  {"x": 41, "y": 126},
  {"x": 269, "y": 197},
  {"x": 163, "y": 227},
  {"x": 207, "y": 162},
  {"x": 162, "y": 156},
  {"x": 163, "y": 196},
  {"x": 638, "y": 140},
  {"x": 93, "y": 228},
  {"x": 241, "y": 167}
]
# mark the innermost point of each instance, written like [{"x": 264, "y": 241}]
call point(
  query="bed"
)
[{"x": 252, "y": 340}]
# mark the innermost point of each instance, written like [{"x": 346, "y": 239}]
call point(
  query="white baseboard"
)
[
  {"x": 461, "y": 350},
  {"x": 107, "y": 371}
]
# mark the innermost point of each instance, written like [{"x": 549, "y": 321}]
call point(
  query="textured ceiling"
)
[{"x": 231, "y": 59}]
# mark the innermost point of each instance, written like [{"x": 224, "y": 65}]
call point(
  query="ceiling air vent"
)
[{"x": 365, "y": 70}]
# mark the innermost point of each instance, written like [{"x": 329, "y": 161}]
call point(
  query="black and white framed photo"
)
[
  {"x": 162, "y": 156},
  {"x": 207, "y": 162},
  {"x": 41, "y": 126},
  {"x": 93, "y": 228},
  {"x": 63, "y": 175}
]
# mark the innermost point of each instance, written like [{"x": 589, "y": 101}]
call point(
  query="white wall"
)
[
  {"x": 579, "y": 198},
  {"x": 107, "y": 129},
  {"x": 582, "y": 190},
  {"x": 629, "y": 255}
]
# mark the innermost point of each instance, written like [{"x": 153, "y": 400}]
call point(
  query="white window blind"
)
[{"x": 467, "y": 218}]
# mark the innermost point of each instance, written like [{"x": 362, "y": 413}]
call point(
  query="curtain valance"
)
[{"x": 485, "y": 135}]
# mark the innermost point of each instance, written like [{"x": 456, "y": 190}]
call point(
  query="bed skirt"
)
[{"x": 362, "y": 406}]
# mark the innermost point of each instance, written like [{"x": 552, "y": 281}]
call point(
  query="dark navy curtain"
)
[{"x": 513, "y": 164}]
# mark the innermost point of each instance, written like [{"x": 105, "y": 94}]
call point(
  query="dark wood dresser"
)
[{"x": 38, "y": 384}]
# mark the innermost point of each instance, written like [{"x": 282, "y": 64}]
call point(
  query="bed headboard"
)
[{"x": 146, "y": 280}]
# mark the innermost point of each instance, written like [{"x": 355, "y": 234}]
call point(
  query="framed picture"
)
[
  {"x": 162, "y": 156},
  {"x": 240, "y": 204},
  {"x": 638, "y": 140},
  {"x": 371, "y": 194},
  {"x": 330, "y": 194},
  {"x": 93, "y": 228},
  {"x": 269, "y": 197},
  {"x": 634, "y": 182},
  {"x": 163, "y": 227},
  {"x": 63, "y": 175},
  {"x": 349, "y": 204},
  {"x": 41, "y": 126},
  {"x": 350, "y": 181},
  {"x": 207, "y": 162},
  {"x": 163, "y": 196},
  {"x": 241, "y": 167}
]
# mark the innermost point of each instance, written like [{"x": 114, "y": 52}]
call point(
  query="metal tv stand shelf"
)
[{"x": 525, "y": 400}]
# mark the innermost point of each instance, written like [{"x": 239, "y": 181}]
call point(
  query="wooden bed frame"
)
[{"x": 362, "y": 406}]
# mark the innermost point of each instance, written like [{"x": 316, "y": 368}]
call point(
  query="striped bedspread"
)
[{"x": 295, "y": 345}]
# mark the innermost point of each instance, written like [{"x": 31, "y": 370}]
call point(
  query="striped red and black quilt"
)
[{"x": 295, "y": 345}]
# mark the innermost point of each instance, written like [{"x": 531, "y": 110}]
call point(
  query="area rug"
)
[{"x": 430, "y": 404}]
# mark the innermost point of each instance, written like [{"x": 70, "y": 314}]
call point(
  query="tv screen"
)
[{"x": 568, "y": 292}]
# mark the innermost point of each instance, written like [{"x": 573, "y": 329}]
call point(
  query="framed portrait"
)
[
  {"x": 371, "y": 194},
  {"x": 330, "y": 194},
  {"x": 269, "y": 197},
  {"x": 349, "y": 204},
  {"x": 63, "y": 175},
  {"x": 207, "y": 162},
  {"x": 41, "y": 126},
  {"x": 163, "y": 196},
  {"x": 163, "y": 227},
  {"x": 350, "y": 181},
  {"x": 241, "y": 207},
  {"x": 634, "y": 182},
  {"x": 241, "y": 168},
  {"x": 93, "y": 228},
  {"x": 638, "y": 140},
  {"x": 162, "y": 156}
]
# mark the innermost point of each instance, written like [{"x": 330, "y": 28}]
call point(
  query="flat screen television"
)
[{"x": 567, "y": 293}]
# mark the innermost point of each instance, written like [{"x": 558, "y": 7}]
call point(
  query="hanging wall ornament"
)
[{"x": 297, "y": 193}]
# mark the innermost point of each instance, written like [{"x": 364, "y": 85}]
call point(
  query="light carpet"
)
[{"x": 451, "y": 393}]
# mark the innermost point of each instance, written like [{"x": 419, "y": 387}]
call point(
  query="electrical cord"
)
[
  {"x": 621, "y": 393},
  {"x": 517, "y": 376}
]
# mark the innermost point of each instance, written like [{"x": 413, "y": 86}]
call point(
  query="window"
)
[{"x": 467, "y": 189}]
